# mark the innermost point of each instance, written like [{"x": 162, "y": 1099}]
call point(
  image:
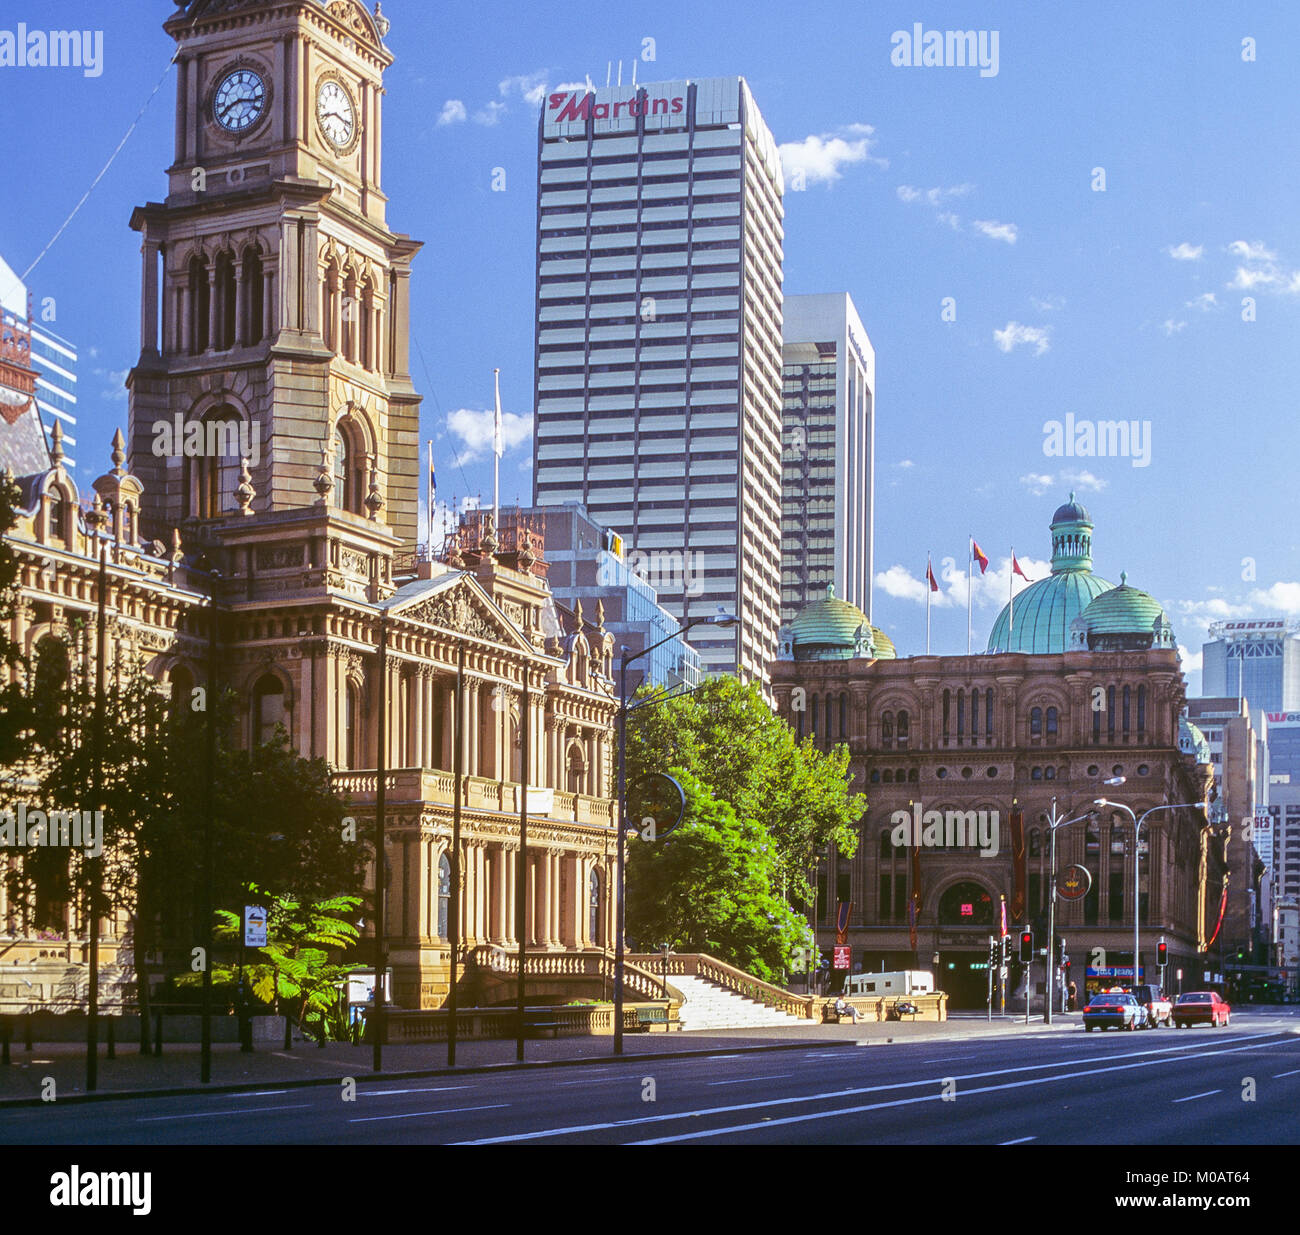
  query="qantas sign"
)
[{"x": 576, "y": 106}]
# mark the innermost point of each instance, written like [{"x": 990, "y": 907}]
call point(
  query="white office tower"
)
[
  {"x": 829, "y": 463},
  {"x": 659, "y": 344}
]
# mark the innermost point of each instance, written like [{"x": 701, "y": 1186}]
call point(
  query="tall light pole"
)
[
  {"x": 721, "y": 619},
  {"x": 1054, "y": 821},
  {"x": 1138, "y": 821}
]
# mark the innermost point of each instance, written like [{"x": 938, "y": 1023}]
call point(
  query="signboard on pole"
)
[
  {"x": 841, "y": 960},
  {"x": 1073, "y": 883},
  {"x": 254, "y": 926}
]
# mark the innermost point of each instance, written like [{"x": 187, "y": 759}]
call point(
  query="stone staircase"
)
[{"x": 711, "y": 1006}]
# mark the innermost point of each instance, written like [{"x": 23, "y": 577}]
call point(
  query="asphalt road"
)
[{"x": 1201, "y": 1086}]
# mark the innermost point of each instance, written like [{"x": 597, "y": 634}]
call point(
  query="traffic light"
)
[
  {"x": 1162, "y": 954},
  {"x": 1006, "y": 949},
  {"x": 1026, "y": 947},
  {"x": 1060, "y": 951}
]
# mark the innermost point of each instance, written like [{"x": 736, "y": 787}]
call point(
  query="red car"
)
[{"x": 1204, "y": 1006}]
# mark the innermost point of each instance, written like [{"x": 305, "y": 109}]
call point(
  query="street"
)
[{"x": 1201, "y": 1086}]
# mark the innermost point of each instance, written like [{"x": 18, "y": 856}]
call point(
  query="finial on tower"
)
[
  {"x": 244, "y": 491},
  {"x": 119, "y": 452},
  {"x": 56, "y": 444}
]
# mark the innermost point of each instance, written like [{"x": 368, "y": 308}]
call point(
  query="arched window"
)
[
  {"x": 946, "y": 705},
  {"x": 367, "y": 310},
  {"x": 593, "y": 909},
  {"x": 844, "y": 716},
  {"x": 1142, "y": 709},
  {"x": 213, "y": 476},
  {"x": 56, "y": 519},
  {"x": 975, "y": 716},
  {"x": 128, "y": 523},
  {"x": 268, "y": 707},
  {"x": 812, "y": 717},
  {"x": 199, "y": 293},
  {"x": 829, "y": 732},
  {"x": 351, "y": 724},
  {"x": 1110, "y": 713},
  {"x": 904, "y": 728},
  {"x": 887, "y": 730},
  {"x": 889, "y": 776},
  {"x": 1035, "y": 843},
  {"x": 1035, "y": 722},
  {"x": 966, "y": 904},
  {"x": 961, "y": 716},
  {"x": 351, "y": 311},
  {"x": 1125, "y": 712},
  {"x": 254, "y": 326},
  {"x": 988, "y": 714},
  {"x": 577, "y": 780},
  {"x": 444, "y": 895},
  {"x": 348, "y": 471},
  {"x": 1052, "y": 724},
  {"x": 227, "y": 301},
  {"x": 886, "y": 845},
  {"x": 913, "y": 774}
]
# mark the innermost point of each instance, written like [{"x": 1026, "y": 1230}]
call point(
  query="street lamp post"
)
[
  {"x": 1138, "y": 821},
  {"x": 1053, "y": 822},
  {"x": 717, "y": 619}
]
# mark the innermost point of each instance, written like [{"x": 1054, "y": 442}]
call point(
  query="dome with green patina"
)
[
  {"x": 1124, "y": 619},
  {"x": 1039, "y": 618},
  {"x": 834, "y": 629},
  {"x": 1191, "y": 741}
]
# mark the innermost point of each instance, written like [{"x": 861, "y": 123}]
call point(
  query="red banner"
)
[
  {"x": 1018, "y": 865},
  {"x": 1223, "y": 908}
]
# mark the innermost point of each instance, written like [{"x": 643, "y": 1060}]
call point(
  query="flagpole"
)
[
  {"x": 970, "y": 553},
  {"x": 1011, "y": 595},
  {"x": 431, "y": 498},
  {"x": 928, "y": 569},
  {"x": 496, "y": 452}
]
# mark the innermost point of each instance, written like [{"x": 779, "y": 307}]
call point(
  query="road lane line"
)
[
  {"x": 745, "y": 1080},
  {"x": 251, "y": 1110},
  {"x": 1020, "y": 1140},
  {"x": 1183, "y": 1055},
  {"x": 454, "y": 1110},
  {"x": 386, "y": 1093},
  {"x": 1193, "y": 1097}
]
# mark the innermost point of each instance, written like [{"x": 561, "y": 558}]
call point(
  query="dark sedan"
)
[
  {"x": 1201, "y": 1006},
  {"x": 1119, "y": 1010}
]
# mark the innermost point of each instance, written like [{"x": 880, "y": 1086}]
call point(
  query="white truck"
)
[{"x": 900, "y": 982}]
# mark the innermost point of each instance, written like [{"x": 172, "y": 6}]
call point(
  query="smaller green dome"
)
[
  {"x": 1072, "y": 512},
  {"x": 1128, "y": 614},
  {"x": 834, "y": 629},
  {"x": 1191, "y": 741}
]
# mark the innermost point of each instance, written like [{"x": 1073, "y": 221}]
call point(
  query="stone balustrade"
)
[{"x": 713, "y": 970}]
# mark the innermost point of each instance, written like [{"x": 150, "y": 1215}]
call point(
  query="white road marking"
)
[
  {"x": 260, "y": 1093},
  {"x": 745, "y": 1080},
  {"x": 1182, "y": 1053},
  {"x": 386, "y": 1093},
  {"x": 454, "y": 1110},
  {"x": 1193, "y": 1097},
  {"x": 252, "y": 1110},
  {"x": 1020, "y": 1140}
]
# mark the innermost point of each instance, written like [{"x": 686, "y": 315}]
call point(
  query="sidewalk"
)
[{"x": 307, "y": 1064}]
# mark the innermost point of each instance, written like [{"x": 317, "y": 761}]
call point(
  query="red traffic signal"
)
[
  {"x": 1026, "y": 947},
  {"x": 1162, "y": 953}
]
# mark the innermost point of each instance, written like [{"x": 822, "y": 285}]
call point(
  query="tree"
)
[
  {"x": 708, "y": 886},
  {"x": 14, "y": 722},
  {"x": 725, "y": 735}
]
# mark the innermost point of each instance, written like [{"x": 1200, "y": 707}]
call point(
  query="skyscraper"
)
[
  {"x": 53, "y": 358},
  {"x": 658, "y": 380},
  {"x": 828, "y": 427},
  {"x": 1259, "y": 660}
]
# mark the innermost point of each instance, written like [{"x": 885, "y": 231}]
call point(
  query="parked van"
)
[{"x": 900, "y": 982}]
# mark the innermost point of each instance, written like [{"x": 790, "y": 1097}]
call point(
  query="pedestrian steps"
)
[{"x": 708, "y": 1005}]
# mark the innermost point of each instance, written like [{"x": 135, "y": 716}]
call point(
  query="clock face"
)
[
  {"x": 240, "y": 101},
  {"x": 336, "y": 114}
]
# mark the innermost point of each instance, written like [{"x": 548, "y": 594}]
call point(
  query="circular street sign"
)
[
  {"x": 1073, "y": 882},
  {"x": 655, "y": 803}
]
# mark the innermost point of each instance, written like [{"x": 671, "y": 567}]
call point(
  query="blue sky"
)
[{"x": 922, "y": 183}]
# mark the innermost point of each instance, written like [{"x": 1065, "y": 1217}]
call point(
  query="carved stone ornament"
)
[{"x": 455, "y": 612}]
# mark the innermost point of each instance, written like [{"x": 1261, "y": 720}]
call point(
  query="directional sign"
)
[
  {"x": 1073, "y": 882},
  {"x": 254, "y": 926}
]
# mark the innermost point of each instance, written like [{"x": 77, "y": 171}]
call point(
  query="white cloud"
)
[
  {"x": 1014, "y": 334},
  {"x": 1084, "y": 481},
  {"x": 567, "y": 87},
  {"x": 114, "y": 384},
  {"x": 908, "y": 194},
  {"x": 1185, "y": 252},
  {"x": 905, "y": 463},
  {"x": 819, "y": 157},
  {"x": 953, "y": 221},
  {"x": 1281, "y": 597},
  {"x": 1049, "y": 305},
  {"x": 996, "y": 231},
  {"x": 1171, "y": 327},
  {"x": 1191, "y": 660},
  {"x": 1247, "y": 280},
  {"x": 1038, "y": 483},
  {"x": 1202, "y": 612},
  {"x": 531, "y": 87},
  {"x": 453, "y": 112},
  {"x": 490, "y": 114},
  {"x": 897, "y": 581},
  {"x": 1251, "y": 251},
  {"x": 1205, "y": 302},
  {"x": 473, "y": 428}
]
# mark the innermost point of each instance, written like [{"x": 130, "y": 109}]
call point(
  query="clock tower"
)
[{"x": 273, "y": 371}]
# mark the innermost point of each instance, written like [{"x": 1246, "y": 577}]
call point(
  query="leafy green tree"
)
[
  {"x": 727, "y": 737},
  {"x": 709, "y": 886},
  {"x": 14, "y": 719},
  {"x": 295, "y": 967}
]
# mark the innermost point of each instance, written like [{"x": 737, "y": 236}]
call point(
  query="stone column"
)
[
  {"x": 242, "y": 309},
  {"x": 416, "y": 744},
  {"x": 529, "y": 925},
  {"x": 474, "y": 730},
  {"x": 214, "y": 314},
  {"x": 149, "y": 299},
  {"x": 509, "y": 891}
]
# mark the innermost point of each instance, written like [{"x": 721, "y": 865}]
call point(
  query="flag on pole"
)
[
  {"x": 979, "y": 555},
  {"x": 496, "y": 452},
  {"x": 934, "y": 587},
  {"x": 433, "y": 491},
  {"x": 1015, "y": 566},
  {"x": 929, "y": 575},
  {"x": 1003, "y": 912}
]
